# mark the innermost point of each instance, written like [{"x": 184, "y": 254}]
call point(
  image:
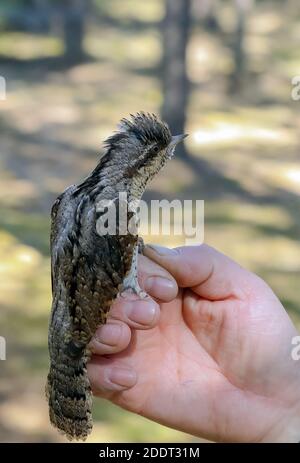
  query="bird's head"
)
[
  {"x": 135, "y": 153},
  {"x": 141, "y": 146}
]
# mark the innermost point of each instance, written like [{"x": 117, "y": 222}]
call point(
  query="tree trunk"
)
[
  {"x": 74, "y": 15},
  {"x": 238, "y": 74},
  {"x": 176, "y": 27}
]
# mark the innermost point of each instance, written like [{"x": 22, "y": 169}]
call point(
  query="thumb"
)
[
  {"x": 190, "y": 265},
  {"x": 208, "y": 272}
]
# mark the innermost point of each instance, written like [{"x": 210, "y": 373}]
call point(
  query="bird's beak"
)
[
  {"x": 174, "y": 141},
  {"x": 177, "y": 139}
]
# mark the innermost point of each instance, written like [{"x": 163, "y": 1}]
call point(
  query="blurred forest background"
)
[{"x": 220, "y": 70}]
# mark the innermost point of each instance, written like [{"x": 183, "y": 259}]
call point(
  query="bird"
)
[{"x": 89, "y": 270}]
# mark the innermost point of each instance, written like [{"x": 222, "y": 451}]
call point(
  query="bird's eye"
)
[{"x": 155, "y": 149}]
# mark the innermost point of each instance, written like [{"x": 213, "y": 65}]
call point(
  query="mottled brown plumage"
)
[{"x": 89, "y": 269}]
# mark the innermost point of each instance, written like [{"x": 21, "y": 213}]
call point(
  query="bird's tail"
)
[{"x": 69, "y": 395}]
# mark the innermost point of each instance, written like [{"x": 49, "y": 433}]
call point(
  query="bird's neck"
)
[{"x": 110, "y": 183}]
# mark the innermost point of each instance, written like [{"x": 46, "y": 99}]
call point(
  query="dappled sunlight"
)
[
  {"x": 293, "y": 175},
  {"x": 23, "y": 271},
  {"x": 206, "y": 58},
  {"x": 285, "y": 176},
  {"x": 134, "y": 9},
  {"x": 256, "y": 215},
  {"x": 253, "y": 250},
  {"x": 133, "y": 49},
  {"x": 234, "y": 133},
  {"x": 15, "y": 415},
  {"x": 28, "y": 402},
  {"x": 266, "y": 23},
  {"x": 29, "y": 46},
  {"x": 15, "y": 191}
]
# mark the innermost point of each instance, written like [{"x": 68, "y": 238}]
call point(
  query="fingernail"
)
[
  {"x": 121, "y": 376},
  {"x": 142, "y": 312},
  {"x": 161, "y": 250},
  {"x": 108, "y": 334},
  {"x": 160, "y": 287}
]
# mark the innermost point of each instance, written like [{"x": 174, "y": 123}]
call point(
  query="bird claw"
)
[{"x": 133, "y": 290}]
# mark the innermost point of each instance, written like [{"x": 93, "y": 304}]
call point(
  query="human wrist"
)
[{"x": 287, "y": 430}]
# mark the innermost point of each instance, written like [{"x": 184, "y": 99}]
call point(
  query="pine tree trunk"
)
[
  {"x": 237, "y": 76},
  {"x": 176, "y": 27},
  {"x": 74, "y": 27}
]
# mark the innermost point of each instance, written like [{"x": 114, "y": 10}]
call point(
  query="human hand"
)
[{"x": 217, "y": 362}]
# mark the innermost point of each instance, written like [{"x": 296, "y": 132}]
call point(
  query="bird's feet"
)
[
  {"x": 130, "y": 282},
  {"x": 131, "y": 285}
]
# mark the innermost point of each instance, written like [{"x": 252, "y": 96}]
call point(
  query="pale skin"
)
[{"x": 212, "y": 358}]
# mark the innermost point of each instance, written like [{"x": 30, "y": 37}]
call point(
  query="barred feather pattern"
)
[
  {"x": 88, "y": 269},
  {"x": 87, "y": 272}
]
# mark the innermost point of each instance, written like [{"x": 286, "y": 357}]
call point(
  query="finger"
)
[
  {"x": 144, "y": 313},
  {"x": 208, "y": 272},
  {"x": 111, "y": 338},
  {"x": 135, "y": 312},
  {"x": 109, "y": 376},
  {"x": 156, "y": 280}
]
